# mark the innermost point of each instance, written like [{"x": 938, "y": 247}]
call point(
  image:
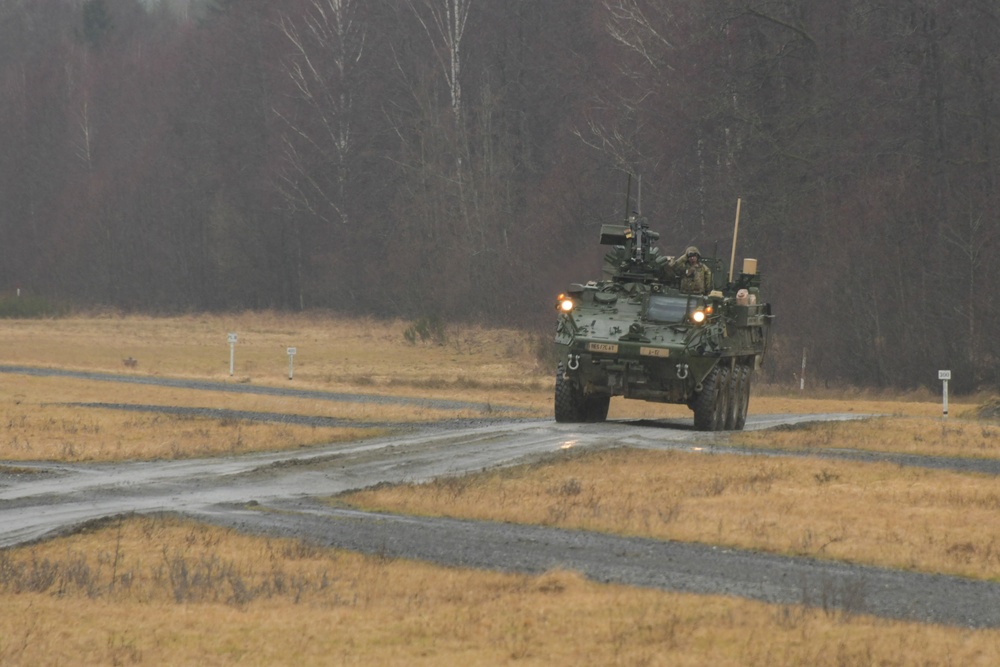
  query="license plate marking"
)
[
  {"x": 654, "y": 352},
  {"x": 611, "y": 348}
]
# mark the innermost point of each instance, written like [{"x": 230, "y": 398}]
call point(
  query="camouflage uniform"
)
[{"x": 695, "y": 278}]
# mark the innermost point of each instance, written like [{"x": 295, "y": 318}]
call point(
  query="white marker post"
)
[
  {"x": 944, "y": 376},
  {"x": 232, "y": 352},
  {"x": 291, "y": 355},
  {"x": 802, "y": 378}
]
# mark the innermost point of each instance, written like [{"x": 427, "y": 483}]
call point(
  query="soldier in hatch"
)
[{"x": 696, "y": 278}]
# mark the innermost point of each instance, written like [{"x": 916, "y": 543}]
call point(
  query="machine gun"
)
[{"x": 634, "y": 259}]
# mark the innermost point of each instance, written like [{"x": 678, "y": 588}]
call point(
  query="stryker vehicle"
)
[{"x": 636, "y": 334}]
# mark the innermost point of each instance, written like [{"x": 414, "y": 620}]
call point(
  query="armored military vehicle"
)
[{"x": 634, "y": 333}]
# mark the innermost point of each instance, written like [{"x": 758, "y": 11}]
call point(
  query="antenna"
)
[{"x": 736, "y": 229}]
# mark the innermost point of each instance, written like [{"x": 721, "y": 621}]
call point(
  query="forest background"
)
[{"x": 455, "y": 159}]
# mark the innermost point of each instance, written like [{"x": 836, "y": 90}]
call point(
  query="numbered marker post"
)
[
  {"x": 232, "y": 353},
  {"x": 944, "y": 376},
  {"x": 291, "y": 355}
]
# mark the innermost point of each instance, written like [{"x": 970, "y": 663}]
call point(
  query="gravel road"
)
[{"x": 275, "y": 493}]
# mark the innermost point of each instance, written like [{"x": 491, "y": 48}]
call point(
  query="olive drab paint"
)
[{"x": 642, "y": 332}]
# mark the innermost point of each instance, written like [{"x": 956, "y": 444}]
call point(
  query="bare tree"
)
[
  {"x": 328, "y": 42},
  {"x": 642, "y": 27},
  {"x": 444, "y": 22}
]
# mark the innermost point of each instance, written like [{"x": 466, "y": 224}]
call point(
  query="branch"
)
[{"x": 794, "y": 28}]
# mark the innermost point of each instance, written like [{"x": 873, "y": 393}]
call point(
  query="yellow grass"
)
[
  {"x": 879, "y": 514},
  {"x": 153, "y": 591},
  {"x": 924, "y": 436},
  {"x": 33, "y": 427},
  {"x": 331, "y": 353},
  {"x": 496, "y": 368},
  {"x": 337, "y": 355},
  {"x": 764, "y": 403}
]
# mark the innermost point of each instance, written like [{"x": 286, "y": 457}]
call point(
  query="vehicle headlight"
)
[
  {"x": 564, "y": 304},
  {"x": 698, "y": 316}
]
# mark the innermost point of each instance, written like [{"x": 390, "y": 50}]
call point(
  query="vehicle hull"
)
[{"x": 610, "y": 345}]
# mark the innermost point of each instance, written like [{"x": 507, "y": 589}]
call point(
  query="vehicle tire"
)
[
  {"x": 735, "y": 387},
  {"x": 746, "y": 373},
  {"x": 596, "y": 408},
  {"x": 723, "y": 400},
  {"x": 705, "y": 403},
  {"x": 569, "y": 405}
]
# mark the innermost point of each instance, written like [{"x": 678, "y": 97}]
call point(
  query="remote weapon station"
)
[{"x": 636, "y": 334}]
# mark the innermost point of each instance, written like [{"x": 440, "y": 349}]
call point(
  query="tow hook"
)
[
  {"x": 574, "y": 362},
  {"x": 682, "y": 371}
]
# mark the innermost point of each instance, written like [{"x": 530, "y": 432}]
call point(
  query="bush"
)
[
  {"x": 24, "y": 307},
  {"x": 426, "y": 328}
]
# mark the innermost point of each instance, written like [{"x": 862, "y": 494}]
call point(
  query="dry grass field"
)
[
  {"x": 332, "y": 353},
  {"x": 492, "y": 367},
  {"x": 161, "y": 591},
  {"x": 359, "y": 356},
  {"x": 155, "y": 591},
  {"x": 879, "y": 514}
]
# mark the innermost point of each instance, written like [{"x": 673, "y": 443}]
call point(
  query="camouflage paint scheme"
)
[{"x": 636, "y": 334}]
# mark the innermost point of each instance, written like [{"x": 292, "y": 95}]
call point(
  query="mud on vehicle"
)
[{"x": 636, "y": 334}]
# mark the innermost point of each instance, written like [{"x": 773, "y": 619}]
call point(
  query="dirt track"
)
[{"x": 234, "y": 491}]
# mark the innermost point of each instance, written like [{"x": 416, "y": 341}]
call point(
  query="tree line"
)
[{"x": 456, "y": 158}]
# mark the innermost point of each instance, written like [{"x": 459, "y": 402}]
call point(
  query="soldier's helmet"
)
[{"x": 692, "y": 251}]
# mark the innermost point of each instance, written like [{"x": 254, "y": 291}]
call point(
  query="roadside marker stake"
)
[
  {"x": 944, "y": 376},
  {"x": 232, "y": 352}
]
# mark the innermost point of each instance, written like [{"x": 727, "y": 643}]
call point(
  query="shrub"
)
[
  {"x": 23, "y": 307},
  {"x": 426, "y": 328}
]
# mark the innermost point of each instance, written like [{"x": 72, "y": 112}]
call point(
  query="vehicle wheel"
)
[
  {"x": 569, "y": 405},
  {"x": 723, "y": 400},
  {"x": 705, "y": 403},
  {"x": 744, "y": 401},
  {"x": 735, "y": 387},
  {"x": 596, "y": 408}
]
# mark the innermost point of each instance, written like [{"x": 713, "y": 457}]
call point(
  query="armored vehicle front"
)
[{"x": 636, "y": 334}]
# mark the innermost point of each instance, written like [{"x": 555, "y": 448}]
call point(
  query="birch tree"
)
[
  {"x": 328, "y": 42},
  {"x": 444, "y": 22}
]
